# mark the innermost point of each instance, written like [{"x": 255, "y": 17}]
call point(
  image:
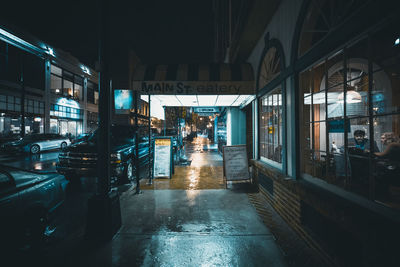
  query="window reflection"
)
[{"x": 271, "y": 127}]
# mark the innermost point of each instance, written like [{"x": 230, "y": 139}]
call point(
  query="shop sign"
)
[
  {"x": 205, "y": 114},
  {"x": 162, "y": 157},
  {"x": 206, "y": 109},
  {"x": 193, "y": 87},
  {"x": 235, "y": 163},
  {"x": 67, "y": 102},
  {"x": 123, "y": 99}
]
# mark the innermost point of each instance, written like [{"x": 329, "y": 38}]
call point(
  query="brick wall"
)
[
  {"x": 286, "y": 203},
  {"x": 341, "y": 231}
]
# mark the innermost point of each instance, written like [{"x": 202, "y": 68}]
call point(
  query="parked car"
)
[
  {"x": 81, "y": 138},
  {"x": 35, "y": 143},
  {"x": 27, "y": 202},
  {"x": 80, "y": 159},
  {"x": 10, "y": 137}
]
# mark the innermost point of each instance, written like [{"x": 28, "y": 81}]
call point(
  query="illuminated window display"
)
[{"x": 351, "y": 117}]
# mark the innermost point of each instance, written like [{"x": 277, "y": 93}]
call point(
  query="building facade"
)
[
  {"x": 327, "y": 125},
  {"x": 326, "y": 121},
  {"x": 44, "y": 89}
]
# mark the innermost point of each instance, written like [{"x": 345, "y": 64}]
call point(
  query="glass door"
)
[{"x": 63, "y": 126}]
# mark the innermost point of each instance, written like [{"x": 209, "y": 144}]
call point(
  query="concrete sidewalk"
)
[{"x": 186, "y": 228}]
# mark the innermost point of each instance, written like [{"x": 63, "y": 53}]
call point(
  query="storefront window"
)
[
  {"x": 90, "y": 92},
  {"x": 77, "y": 91},
  {"x": 68, "y": 88},
  {"x": 78, "y": 87},
  {"x": 66, "y": 83},
  {"x": 271, "y": 128},
  {"x": 96, "y": 97},
  {"x": 351, "y": 119},
  {"x": 53, "y": 126},
  {"x": 56, "y": 84}
]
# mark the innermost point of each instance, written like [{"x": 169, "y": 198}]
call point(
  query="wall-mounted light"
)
[
  {"x": 397, "y": 42},
  {"x": 85, "y": 69},
  {"x": 49, "y": 50},
  {"x": 37, "y": 119}
]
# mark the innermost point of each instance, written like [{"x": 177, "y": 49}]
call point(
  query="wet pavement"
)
[
  {"x": 44, "y": 162},
  {"x": 185, "y": 228},
  {"x": 180, "y": 225},
  {"x": 203, "y": 171}
]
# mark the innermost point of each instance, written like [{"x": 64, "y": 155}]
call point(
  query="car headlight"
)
[{"x": 115, "y": 158}]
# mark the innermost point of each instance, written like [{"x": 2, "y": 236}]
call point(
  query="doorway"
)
[{"x": 198, "y": 126}]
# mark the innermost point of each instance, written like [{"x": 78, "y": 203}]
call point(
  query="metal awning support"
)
[{"x": 150, "y": 182}]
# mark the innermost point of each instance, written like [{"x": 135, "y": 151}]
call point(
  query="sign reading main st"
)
[{"x": 193, "y": 87}]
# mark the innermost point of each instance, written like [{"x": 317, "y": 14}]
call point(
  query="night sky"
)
[{"x": 160, "y": 31}]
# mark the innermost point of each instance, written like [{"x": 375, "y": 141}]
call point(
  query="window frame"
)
[
  {"x": 279, "y": 166},
  {"x": 72, "y": 78},
  {"x": 347, "y": 118},
  {"x": 279, "y": 80}
]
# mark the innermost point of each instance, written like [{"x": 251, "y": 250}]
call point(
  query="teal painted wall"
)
[{"x": 236, "y": 127}]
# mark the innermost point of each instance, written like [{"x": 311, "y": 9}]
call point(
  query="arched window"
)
[
  {"x": 270, "y": 67},
  {"x": 271, "y": 107},
  {"x": 323, "y": 16}
]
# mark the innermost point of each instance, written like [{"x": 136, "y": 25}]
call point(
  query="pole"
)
[
  {"x": 22, "y": 95},
  {"x": 150, "y": 154},
  {"x": 165, "y": 122},
  {"x": 104, "y": 105},
  {"x": 104, "y": 212},
  {"x": 137, "y": 144}
]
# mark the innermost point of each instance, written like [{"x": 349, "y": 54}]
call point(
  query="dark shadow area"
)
[{"x": 243, "y": 187}]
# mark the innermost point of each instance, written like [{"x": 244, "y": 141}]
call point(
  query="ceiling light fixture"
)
[{"x": 352, "y": 97}]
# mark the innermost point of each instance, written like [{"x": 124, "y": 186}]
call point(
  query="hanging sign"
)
[{"x": 163, "y": 157}]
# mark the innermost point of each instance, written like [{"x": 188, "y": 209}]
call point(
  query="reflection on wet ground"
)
[
  {"x": 44, "y": 162},
  {"x": 189, "y": 178},
  {"x": 205, "y": 170},
  {"x": 185, "y": 228}
]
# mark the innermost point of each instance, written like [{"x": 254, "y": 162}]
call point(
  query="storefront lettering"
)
[{"x": 190, "y": 88}]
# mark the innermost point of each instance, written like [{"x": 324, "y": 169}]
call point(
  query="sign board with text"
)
[
  {"x": 236, "y": 165},
  {"x": 193, "y": 87},
  {"x": 162, "y": 157}
]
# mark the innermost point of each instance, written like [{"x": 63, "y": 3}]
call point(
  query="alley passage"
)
[{"x": 204, "y": 172}]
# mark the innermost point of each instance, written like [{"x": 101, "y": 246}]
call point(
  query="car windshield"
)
[
  {"x": 119, "y": 135},
  {"x": 32, "y": 137}
]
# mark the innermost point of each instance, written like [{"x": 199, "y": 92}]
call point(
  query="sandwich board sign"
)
[
  {"x": 236, "y": 166},
  {"x": 163, "y": 157}
]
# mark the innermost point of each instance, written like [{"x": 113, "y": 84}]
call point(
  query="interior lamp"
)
[{"x": 352, "y": 97}]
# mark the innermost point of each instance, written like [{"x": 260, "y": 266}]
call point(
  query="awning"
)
[{"x": 194, "y": 79}]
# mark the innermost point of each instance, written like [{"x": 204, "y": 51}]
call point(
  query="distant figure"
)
[
  {"x": 388, "y": 163},
  {"x": 334, "y": 147},
  {"x": 392, "y": 146},
  {"x": 362, "y": 143}
]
